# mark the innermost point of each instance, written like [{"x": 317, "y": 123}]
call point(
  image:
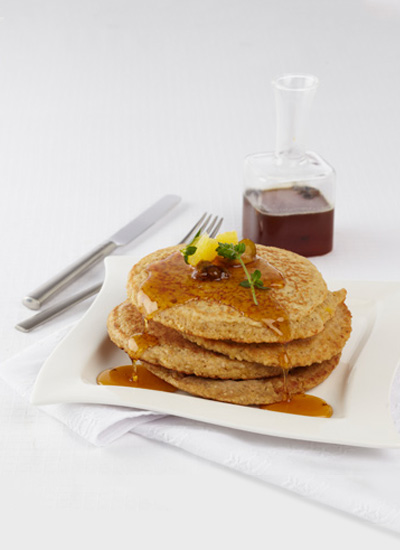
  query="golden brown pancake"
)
[
  {"x": 303, "y": 293},
  {"x": 263, "y": 391},
  {"x": 300, "y": 352},
  {"x": 166, "y": 347},
  {"x": 209, "y": 338}
]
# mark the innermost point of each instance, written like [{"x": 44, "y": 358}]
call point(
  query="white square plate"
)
[{"x": 358, "y": 389}]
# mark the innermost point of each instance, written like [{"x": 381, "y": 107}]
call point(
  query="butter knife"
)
[{"x": 125, "y": 235}]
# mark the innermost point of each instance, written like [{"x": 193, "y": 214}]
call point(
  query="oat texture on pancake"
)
[
  {"x": 154, "y": 343},
  {"x": 162, "y": 286},
  {"x": 231, "y": 320}
]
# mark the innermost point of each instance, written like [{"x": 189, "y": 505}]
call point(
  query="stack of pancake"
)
[{"x": 210, "y": 346}]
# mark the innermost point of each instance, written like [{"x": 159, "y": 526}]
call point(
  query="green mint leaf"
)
[
  {"x": 256, "y": 280},
  {"x": 240, "y": 248},
  {"x": 260, "y": 285},
  {"x": 190, "y": 249},
  {"x": 231, "y": 252},
  {"x": 227, "y": 250}
]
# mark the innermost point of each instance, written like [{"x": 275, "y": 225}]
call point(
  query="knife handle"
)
[{"x": 35, "y": 299}]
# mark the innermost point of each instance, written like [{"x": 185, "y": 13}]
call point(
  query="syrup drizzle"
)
[
  {"x": 139, "y": 342},
  {"x": 170, "y": 282}
]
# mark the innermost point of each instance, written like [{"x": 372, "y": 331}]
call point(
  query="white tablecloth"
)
[{"x": 104, "y": 107}]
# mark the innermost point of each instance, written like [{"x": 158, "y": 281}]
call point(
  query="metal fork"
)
[{"x": 206, "y": 224}]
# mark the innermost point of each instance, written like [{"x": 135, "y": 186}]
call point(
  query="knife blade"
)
[{"x": 123, "y": 236}]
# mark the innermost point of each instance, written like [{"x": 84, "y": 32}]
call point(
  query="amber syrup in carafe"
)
[
  {"x": 296, "y": 218},
  {"x": 289, "y": 193}
]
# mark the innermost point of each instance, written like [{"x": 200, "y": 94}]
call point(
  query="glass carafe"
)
[{"x": 289, "y": 193}]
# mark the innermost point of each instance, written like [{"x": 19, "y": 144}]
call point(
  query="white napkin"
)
[
  {"x": 363, "y": 482},
  {"x": 98, "y": 424}
]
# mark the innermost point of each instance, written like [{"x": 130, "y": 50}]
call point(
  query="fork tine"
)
[
  {"x": 196, "y": 226},
  {"x": 216, "y": 228},
  {"x": 211, "y": 225},
  {"x": 204, "y": 224}
]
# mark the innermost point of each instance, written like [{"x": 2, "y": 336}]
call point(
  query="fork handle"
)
[
  {"x": 53, "y": 311},
  {"x": 35, "y": 299}
]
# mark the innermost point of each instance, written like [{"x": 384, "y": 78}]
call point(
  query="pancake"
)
[
  {"x": 296, "y": 303},
  {"x": 299, "y": 352},
  {"x": 154, "y": 343},
  {"x": 212, "y": 332},
  {"x": 263, "y": 391}
]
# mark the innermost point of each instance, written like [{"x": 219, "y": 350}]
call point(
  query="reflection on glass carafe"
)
[{"x": 289, "y": 194}]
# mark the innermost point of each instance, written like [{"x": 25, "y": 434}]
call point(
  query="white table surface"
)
[{"x": 105, "y": 106}]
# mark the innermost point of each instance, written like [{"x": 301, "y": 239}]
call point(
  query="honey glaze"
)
[
  {"x": 285, "y": 364},
  {"x": 139, "y": 343},
  {"x": 134, "y": 376},
  {"x": 302, "y": 404},
  {"x": 171, "y": 282}
]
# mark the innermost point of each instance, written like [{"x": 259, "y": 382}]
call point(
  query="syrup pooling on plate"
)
[
  {"x": 134, "y": 376},
  {"x": 302, "y": 404},
  {"x": 171, "y": 282}
]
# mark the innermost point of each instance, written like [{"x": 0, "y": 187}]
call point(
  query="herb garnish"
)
[
  {"x": 190, "y": 249},
  {"x": 234, "y": 252},
  {"x": 231, "y": 252}
]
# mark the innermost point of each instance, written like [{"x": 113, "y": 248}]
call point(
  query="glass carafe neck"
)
[{"x": 294, "y": 95}]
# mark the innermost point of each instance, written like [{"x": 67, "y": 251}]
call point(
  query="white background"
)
[{"x": 104, "y": 107}]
